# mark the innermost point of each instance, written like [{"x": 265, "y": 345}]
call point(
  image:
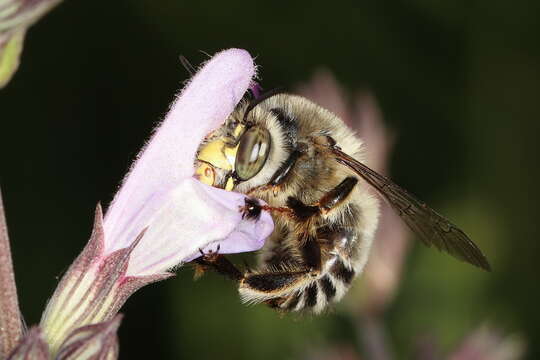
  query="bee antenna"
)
[
  {"x": 262, "y": 97},
  {"x": 187, "y": 65}
]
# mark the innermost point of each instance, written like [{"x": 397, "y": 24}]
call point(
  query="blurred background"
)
[{"x": 446, "y": 92}]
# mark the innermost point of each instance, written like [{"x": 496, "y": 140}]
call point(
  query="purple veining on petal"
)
[{"x": 167, "y": 158}]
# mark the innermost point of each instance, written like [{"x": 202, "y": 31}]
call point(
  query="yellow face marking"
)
[
  {"x": 218, "y": 154},
  {"x": 206, "y": 174},
  {"x": 214, "y": 153},
  {"x": 230, "y": 184}
]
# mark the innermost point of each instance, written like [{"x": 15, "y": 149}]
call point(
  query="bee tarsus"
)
[
  {"x": 251, "y": 210},
  {"x": 220, "y": 264}
]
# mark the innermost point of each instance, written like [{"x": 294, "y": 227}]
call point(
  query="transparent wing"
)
[{"x": 432, "y": 228}]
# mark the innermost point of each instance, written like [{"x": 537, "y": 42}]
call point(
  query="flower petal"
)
[
  {"x": 168, "y": 157},
  {"x": 247, "y": 235},
  {"x": 195, "y": 217}
]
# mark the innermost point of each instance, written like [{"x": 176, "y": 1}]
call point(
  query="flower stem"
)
[{"x": 10, "y": 316}]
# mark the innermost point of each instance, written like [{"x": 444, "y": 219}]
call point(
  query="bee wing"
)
[{"x": 432, "y": 228}]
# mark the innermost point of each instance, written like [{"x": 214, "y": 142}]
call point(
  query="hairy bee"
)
[{"x": 307, "y": 165}]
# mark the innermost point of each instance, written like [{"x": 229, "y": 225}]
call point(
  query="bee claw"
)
[{"x": 243, "y": 210}]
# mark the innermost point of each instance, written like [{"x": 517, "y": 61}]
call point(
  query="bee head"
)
[
  {"x": 249, "y": 148},
  {"x": 224, "y": 163}
]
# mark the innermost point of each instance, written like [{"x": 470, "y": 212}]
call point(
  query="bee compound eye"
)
[{"x": 252, "y": 152}]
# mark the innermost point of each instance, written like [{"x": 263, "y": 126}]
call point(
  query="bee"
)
[{"x": 308, "y": 167}]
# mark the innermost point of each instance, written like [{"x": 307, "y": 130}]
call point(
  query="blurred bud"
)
[
  {"x": 16, "y": 16},
  {"x": 426, "y": 347},
  {"x": 32, "y": 347},
  {"x": 336, "y": 352},
  {"x": 391, "y": 244},
  {"x": 324, "y": 90},
  {"x": 487, "y": 343},
  {"x": 161, "y": 216},
  {"x": 98, "y": 341}
]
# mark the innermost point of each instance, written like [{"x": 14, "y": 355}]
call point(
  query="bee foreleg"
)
[{"x": 220, "y": 264}]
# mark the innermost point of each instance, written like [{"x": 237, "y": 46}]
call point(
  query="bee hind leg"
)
[
  {"x": 286, "y": 291},
  {"x": 280, "y": 288},
  {"x": 272, "y": 287},
  {"x": 310, "y": 246}
]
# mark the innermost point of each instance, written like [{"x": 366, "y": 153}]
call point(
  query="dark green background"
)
[{"x": 459, "y": 81}]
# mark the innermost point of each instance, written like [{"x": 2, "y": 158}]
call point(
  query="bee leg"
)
[
  {"x": 335, "y": 196},
  {"x": 270, "y": 285},
  {"x": 251, "y": 209},
  {"x": 311, "y": 255},
  {"x": 328, "y": 202},
  {"x": 220, "y": 264},
  {"x": 278, "y": 288},
  {"x": 310, "y": 247},
  {"x": 300, "y": 210}
]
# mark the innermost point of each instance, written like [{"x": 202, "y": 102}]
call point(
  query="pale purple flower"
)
[
  {"x": 161, "y": 216},
  {"x": 488, "y": 343},
  {"x": 159, "y": 188}
]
